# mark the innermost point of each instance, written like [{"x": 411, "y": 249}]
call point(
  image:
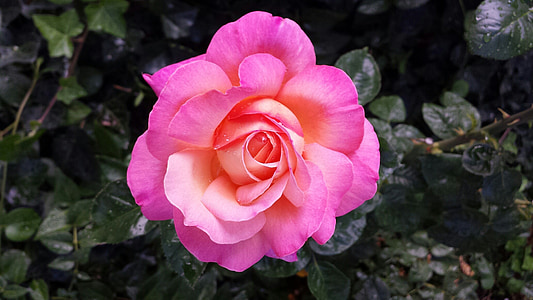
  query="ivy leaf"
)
[
  {"x": 389, "y": 108},
  {"x": 364, "y": 72},
  {"x": 70, "y": 90},
  {"x": 500, "y": 29},
  {"x": 107, "y": 16},
  {"x": 325, "y": 281},
  {"x": 58, "y": 30},
  {"x": 25, "y": 53},
  {"x": 348, "y": 230}
]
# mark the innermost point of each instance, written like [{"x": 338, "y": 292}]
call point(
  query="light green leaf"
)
[
  {"x": 107, "y": 16},
  {"x": 21, "y": 224},
  {"x": 388, "y": 108},
  {"x": 500, "y": 29},
  {"x": 70, "y": 90},
  {"x": 325, "y": 281},
  {"x": 58, "y": 30},
  {"x": 364, "y": 72}
]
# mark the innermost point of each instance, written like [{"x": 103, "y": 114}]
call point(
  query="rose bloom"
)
[{"x": 252, "y": 148}]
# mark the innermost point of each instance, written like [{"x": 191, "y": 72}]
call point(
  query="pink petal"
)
[
  {"x": 263, "y": 71},
  {"x": 187, "y": 81},
  {"x": 160, "y": 78},
  {"x": 327, "y": 228},
  {"x": 259, "y": 32},
  {"x": 145, "y": 179},
  {"x": 324, "y": 100},
  {"x": 187, "y": 179},
  {"x": 288, "y": 227},
  {"x": 289, "y": 258},
  {"x": 236, "y": 257},
  {"x": 221, "y": 201},
  {"x": 365, "y": 162},
  {"x": 300, "y": 180},
  {"x": 234, "y": 129}
]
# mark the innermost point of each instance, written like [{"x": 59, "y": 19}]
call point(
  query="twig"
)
[
  {"x": 70, "y": 71},
  {"x": 492, "y": 129}
]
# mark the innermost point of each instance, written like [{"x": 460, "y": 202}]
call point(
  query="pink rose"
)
[{"x": 252, "y": 148}]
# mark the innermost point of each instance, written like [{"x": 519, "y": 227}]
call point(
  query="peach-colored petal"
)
[
  {"x": 288, "y": 227},
  {"x": 159, "y": 79},
  {"x": 236, "y": 257},
  {"x": 324, "y": 100},
  {"x": 187, "y": 81},
  {"x": 234, "y": 129},
  {"x": 220, "y": 199},
  {"x": 145, "y": 180},
  {"x": 187, "y": 179},
  {"x": 365, "y": 162},
  {"x": 299, "y": 181},
  {"x": 260, "y": 32}
]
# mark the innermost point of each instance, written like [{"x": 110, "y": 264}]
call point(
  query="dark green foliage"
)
[{"x": 452, "y": 225}]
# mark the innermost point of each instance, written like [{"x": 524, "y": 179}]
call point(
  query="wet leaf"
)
[{"x": 21, "y": 224}]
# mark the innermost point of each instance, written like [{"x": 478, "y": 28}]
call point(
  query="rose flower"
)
[{"x": 252, "y": 148}]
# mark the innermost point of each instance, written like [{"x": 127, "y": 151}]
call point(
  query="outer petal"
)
[
  {"x": 187, "y": 81},
  {"x": 324, "y": 100},
  {"x": 220, "y": 199},
  {"x": 365, "y": 162},
  {"x": 187, "y": 178},
  {"x": 288, "y": 227},
  {"x": 197, "y": 120},
  {"x": 259, "y": 32},
  {"x": 338, "y": 176},
  {"x": 236, "y": 257},
  {"x": 160, "y": 78},
  {"x": 145, "y": 179}
]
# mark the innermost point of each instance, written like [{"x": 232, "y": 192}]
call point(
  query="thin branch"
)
[{"x": 492, "y": 129}]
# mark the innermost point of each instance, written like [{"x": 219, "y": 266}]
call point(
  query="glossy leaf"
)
[
  {"x": 21, "y": 224},
  {"x": 500, "y": 29},
  {"x": 58, "y": 242},
  {"x": 373, "y": 288},
  {"x": 364, "y": 72},
  {"x": 389, "y": 108},
  {"x": 55, "y": 221},
  {"x": 13, "y": 291},
  {"x": 485, "y": 272},
  {"x": 501, "y": 187},
  {"x": 38, "y": 290},
  {"x": 450, "y": 121},
  {"x": 62, "y": 264},
  {"x": 462, "y": 228},
  {"x": 420, "y": 271},
  {"x": 25, "y": 53},
  {"x": 13, "y": 265},
  {"x": 325, "y": 281},
  {"x": 348, "y": 230},
  {"x": 481, "y": 159},
  {"x": 66, "y": 191},
  {"x": 278, "y": 268},
  {"x": 58, "y": 31},
  {"x": 179, "y": 258},
  {"x": 107, "y": 16}
]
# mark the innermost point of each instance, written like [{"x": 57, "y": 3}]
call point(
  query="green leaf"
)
[
  {"x": 463, "y": 229},
  {"x": 58, "y": 30},
  {"x": 13, "y": 87},
  {"x": 14, "y": 291},
  {"x": 363, "y": 71},
  {"x": 373, "y": 7},
  {"x": 21, "y": 224},
  {"x": 70, "y": 90},
  {"x": 76, "y": 112},
  {"x": 38, "y": 290},
  {"x": 179, "y": 259},
  {"x": 373, "y": 288},
  {"x": 116, "y": 216},
  {"x": 61, "y": 2},
  {"x": 348, "y": 230},
  {"x": 107, "y": 16},
  {"x": 485, "y": 271},
  {"x": 26, "y": 53},
  {"x": 500, "y": 29},
  {"x": 55, "y": 221},
  {"x": 460, "y": 88},
  {"x": 79, "y": 214},
  {"x": 388, "y": 108},
  {"x": 13, "y": 265},
  {"x": 58, "y": 242},
  {"x": 94, "y": 290},
  {"x": 62, "y": 264},
  {"x": 278, "y": 268},
  {"x": 325, "y": 281},
  {"x": 108, "y": 143},
  {"x": 447, "y": 122},
  {"x": 14, "y": 145},
  {"x": 501, "y": 187},
  {"x": 66, "y": 191},
  {"x": 420, "y": 271}
]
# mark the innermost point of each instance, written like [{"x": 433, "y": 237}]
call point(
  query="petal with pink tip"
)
[
  {"x": 236, "y": 257},
  {"x": 324, "y": 100},
  {"x": 288, "y": 227},
  {"x": 145, "y": 179},
  {"x": 187, "y": 179},
  {"x": 220, "y": 199},
  {"x": 158, "y": 80},
  {"x": 187, "y": 81},
  {"x": 365, "y": 162},
  {"x": 260, "y": 32}
]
